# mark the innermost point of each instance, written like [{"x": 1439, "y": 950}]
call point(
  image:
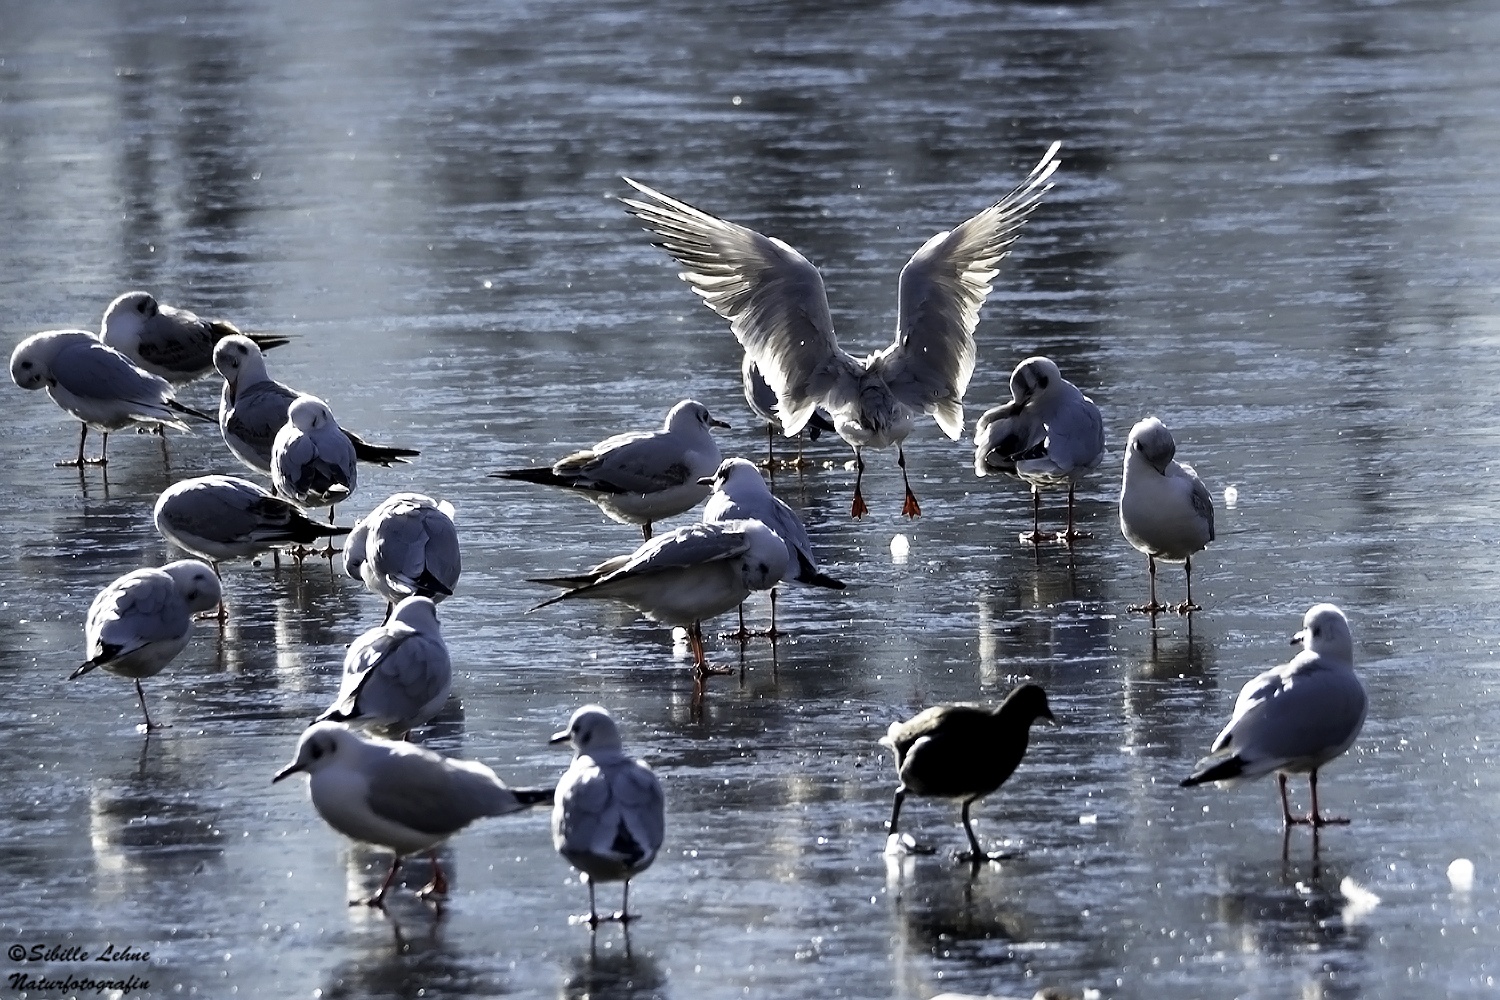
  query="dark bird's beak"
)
[
  {"x": 287, "y": 771},
  {"x": 1297, "y": 639},
  {"x": 561, "y": 737},
  {"x": 706, "y": 481},
  {"x": 1050, "y": 720}
]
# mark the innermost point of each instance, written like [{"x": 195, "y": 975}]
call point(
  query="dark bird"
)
[{"x": 964, "y": 752}]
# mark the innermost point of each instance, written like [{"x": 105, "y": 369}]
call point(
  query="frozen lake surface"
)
[{"x": 1275, "y": 227}]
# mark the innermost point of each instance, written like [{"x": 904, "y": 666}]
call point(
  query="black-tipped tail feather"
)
[
  {"x": 1216, "y": 769},
  {"x": 177, "y": 407},
  {"x": 533, "y": 796},
  {"x": 378, "y": 454},
  {"x": 809, "y": 574}
]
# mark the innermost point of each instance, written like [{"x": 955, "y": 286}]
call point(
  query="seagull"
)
[
  {"x": 1049, "y": 435},
  {"x": 608, "y": 815},
  {"x": 739, "y": 493},
  {"x": 140, "y": 622},
  {"x": 172, "y": 343},
  {"x": 224, "y": 517},
  {"x": 774, "y": 300},
  {"x": 406, "y": 547},
  {"x": 685, "y": 576},
  {"x": 253, "y": 408},
  {"x": 762, "y": 400},
  {"x": 97, "y": 385},
  {"x": 1294, "y": 718},
  {"x": 964, "y": 752},
  {"x": 399, "y": 795},
  {"x": 312, "y": 461},
  {"x": 1165, "y": 510},
  {"x": 397, "y": 675},
  {"x": 641, "y": 477}
]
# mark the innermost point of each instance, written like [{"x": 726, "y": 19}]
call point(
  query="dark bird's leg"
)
[
  {"x": 646, "y": 532},
  {"x": 770, "y": 463},
  {"x": 1316, "y": 818},
  {"x": 166, "y": 725},
  {"x": 907, "y": 843},
  {"x": 378, "y": 900},
  {"x": 896, "y": 808},
  {"x": 103, "y": 458},
  {"x": 1152, "y": 609},
  {"x": 625, "y": 916},
  {"x": 439, "y": 884},
  {"x": 910, "y": 508},
  {"x": 743, "y": 634},
  {"x": 593, "y": 910},
  {"x": 1187, "y": 606},
  {"x": 976, "y": 853},
  {"x": 79, "y": 460},
  {"x": 858, "y": 509},
  {"x": 389, "y": 607}
]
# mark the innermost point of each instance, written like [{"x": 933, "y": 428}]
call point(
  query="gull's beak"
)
[
  {"x": 561, "y": 737},
  {"x": 706, "y": 481},
  {"x": 716, "y": 422},
  {"x": 287, "y": 771},
  {"x": 1299, "y": 637}
]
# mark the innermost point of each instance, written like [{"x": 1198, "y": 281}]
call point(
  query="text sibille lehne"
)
[{"x": 57, "y": 953}]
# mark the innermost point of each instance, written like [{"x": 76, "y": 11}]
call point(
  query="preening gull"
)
[
  {"x": 1049, "y": 435},
  {"x": 1165, "y": 510},
  {"x": 963, "y": 752},
  {"x": 643, "y": 476},
  {"x": 406, "y": 547},
  {"x": 609, "y": 814},
  {"x": 312, "y": 461},
  {"x": 397, "y": 675},
  {"x": 253, "y": 407},
  {"x": 96, "y": 384},
  {"x": 739, "y": 493},
  {"x": 172, "y": 343},
  {"x": 685, "y": 576},
  {"x": 776, "y": 305},
  {"x": 399, "y": 795},
  {"x": 1294, "y": 718},
  {"x": 140, "y": 622}
]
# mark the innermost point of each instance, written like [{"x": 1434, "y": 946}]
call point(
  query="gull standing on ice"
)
[
  {"x": 1165, "y": 510},
  {"x": 762, "y": 400},
  {"x": 224, "y": 517},
  {"x": 963, "y": 752},
  {"x": 608, "y": 815},
  {"x": 1049, "y": 435},
  {"x": 173, "y": 343},
  {"x": 643, "y": 476},
  {"x": 253, "y": 407},
  {"x": 140, "y": 622},
  {"x": 776, "y": 305},
  {"x": 740, "y": 493},
  {"x": 399, "y": 795},
  {"x": 685, "y": 576},
  {"x": 97, "y": 385},
  {"x": 397, "y": 675},
  {"x": 1294, "y": 718},
  {"x": 406, "y": 547},
  {"x": 312, "y": 461}
]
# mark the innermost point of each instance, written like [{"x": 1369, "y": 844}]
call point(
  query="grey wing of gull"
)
[
  {"x": 1296, "y": 711},
  {"x": 691, "y": 546},
  {"x": 1203, "y": 504},
  {"x": 354, "y": 548},
  {"x": 587, "y": 807},
  {"x": 642, "y": 805},
  {"x": 774, "y": 514},
  {"x": 97, "y": 371},
  {"x": 216, "y": 513},
  {"x": 1076, "y": 435},
  {"x": 426, "y": 793},
  {"x": 942, "y": 289},
  {"x": 421, "y": 543},
  {"x": 258, "y": 412},
  {"x": 643, "y": 464},
  {"x": 772, "y": 296},
  {"x": 1002, "y": 434},
  {"x": 178, "y": 343},
  {"x": 148, "y": 610}
]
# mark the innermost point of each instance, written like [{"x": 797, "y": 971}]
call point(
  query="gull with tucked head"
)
[
  {"x": 775, "y": 303},
  {"x": 173, "y": 343},
  {"x": 406, "y": 547},
  {"x": 609, "y": 814},
  {"x": 97, "y": 385},
  {"x": 1165, "y": 510}
]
